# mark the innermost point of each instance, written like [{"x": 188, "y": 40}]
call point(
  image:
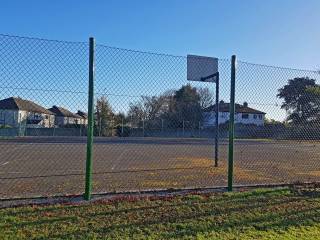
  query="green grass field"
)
[{"x": 261, "y": 214}]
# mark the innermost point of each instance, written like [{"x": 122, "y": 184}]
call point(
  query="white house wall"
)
[
  {"x": 209, "y": 119},
  {"x": 62, "y": 121},
  {"x": 47, "y": 119},
  {"x": 83, "y": 121},
  {"x": 16, "y": 118}
]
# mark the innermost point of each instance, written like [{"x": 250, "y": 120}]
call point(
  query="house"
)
[
  {"x": 65, "y": 117},
  {"x": 17, "y": 112},
  {"x": 84, "y": 117},
  {"x": 243, "y": 114}
]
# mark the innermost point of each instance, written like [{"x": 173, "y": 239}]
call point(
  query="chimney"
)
[{"x": 245, "y": 104}]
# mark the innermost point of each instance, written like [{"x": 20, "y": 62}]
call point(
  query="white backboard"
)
[{"x": 199, "y": 67}]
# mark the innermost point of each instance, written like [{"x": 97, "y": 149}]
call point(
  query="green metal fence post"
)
[
  {"x": 231, "y": 122},
  {"x": 216, "y": 139},
  {"x": 88, "y": 185}
]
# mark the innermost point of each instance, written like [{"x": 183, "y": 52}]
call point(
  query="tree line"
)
[
  {"x": 185, "y": 106},
  {"x": 175, "y": 108}
]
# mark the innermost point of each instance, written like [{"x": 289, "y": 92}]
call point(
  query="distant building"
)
[
  {"x": 17, "y": 112},
  {"x": 65, "y": 117},
  {"x": 243, "y": 114},
  {"x": 84, "y": 117}
]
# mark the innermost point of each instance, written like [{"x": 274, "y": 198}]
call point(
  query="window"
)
[
  {"x": 255, "y": 116},
  {"x": 260, "y": 117},
  {"x": 245, "y": 116},
  {"x": 37, "y": 116}
]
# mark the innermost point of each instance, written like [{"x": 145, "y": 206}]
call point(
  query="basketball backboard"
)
[{"x": 200, "y": 68}]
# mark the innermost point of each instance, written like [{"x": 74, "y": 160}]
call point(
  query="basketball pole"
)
[
  {"x": 216, "y": 77},
  {"x": 231, "y": 123}
]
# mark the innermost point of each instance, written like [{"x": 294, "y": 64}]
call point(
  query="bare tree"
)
[
  {"x": 206, "y": 97},
  {"x": 148, "y": 108}
]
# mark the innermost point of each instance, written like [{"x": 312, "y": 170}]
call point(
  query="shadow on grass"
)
[
  {"x": 241, "y": 197},
  {"x": 215, "y": 211},
  {"x": 193, "y": 224},
  {"x": 194, "y": 215}
]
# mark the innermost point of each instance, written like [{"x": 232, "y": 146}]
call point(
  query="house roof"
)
[
  {"x": 82, "y": 114},
  {"x": 62, "y": 112},
  {"x": 16, "y": 103},
  {"x": 224, "y": 107},
  {"x": 78, "y": 116}
]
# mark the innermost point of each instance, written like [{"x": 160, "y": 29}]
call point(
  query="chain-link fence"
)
[
  {"x": 159, "y": 114},
  {"x": 43, "y": 86},
  {"x": 152, "y": 128},
  {"x": 278, "y": 129}
]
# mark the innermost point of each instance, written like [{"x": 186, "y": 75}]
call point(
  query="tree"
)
[
  {"x": 121, "y": 125},
  {"x": 314, "y": 93},
  {"x": 119, "y": 118},
  {"x": 206, "y": 97},
  {"x": 104, "y": 117},
  {"x": 185, "y": 107},
  {"x": 300, "y": 102},
  {"x": 148, "y": 109}
]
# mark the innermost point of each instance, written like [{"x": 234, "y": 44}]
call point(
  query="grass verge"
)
[{"x": 259, "y": 214}]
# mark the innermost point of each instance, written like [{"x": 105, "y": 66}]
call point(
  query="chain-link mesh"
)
[
  {"x": 154, "y": 117},
  {"x": 277, "y": 125},
  {"x": 41, "y": 148},
  {"x": 153, "y": 129}
]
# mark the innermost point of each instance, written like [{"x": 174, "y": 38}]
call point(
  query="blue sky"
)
[
  {"x": 284, "y": 33},
  {"x": 280, "y": 33}
]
